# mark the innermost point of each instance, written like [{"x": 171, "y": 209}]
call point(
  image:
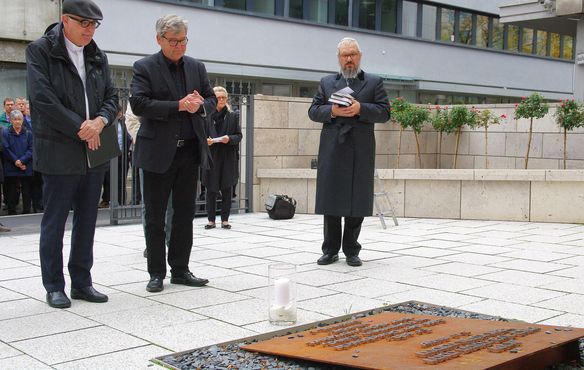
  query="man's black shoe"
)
[
  {"x": 188, "y": 279},
  {"x": 58, "y": 300},
  {"x": 88, "y": 294},
  {"x": 155, "y": 284},
  {"x": 327, "y": 259},
  {"x": 354, "y": 261}
]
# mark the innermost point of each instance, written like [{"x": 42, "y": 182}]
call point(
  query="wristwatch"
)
[{"x": 104, "y": 120}]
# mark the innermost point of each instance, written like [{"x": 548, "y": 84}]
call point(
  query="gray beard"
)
[{"x": 350, "y": 73}]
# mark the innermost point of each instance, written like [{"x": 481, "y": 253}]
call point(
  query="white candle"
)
[{"x": 282, "y": 291}]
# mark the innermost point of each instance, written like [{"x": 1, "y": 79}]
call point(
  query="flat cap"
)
[{"x": 83, "y": 8}]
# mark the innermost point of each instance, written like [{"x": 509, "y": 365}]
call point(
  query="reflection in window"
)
[
  {"x": 317, "y": 11},
  {"x": 429, "y": 22},
  {"x": 342, "y": 12},
  {"x": 367, "y": 14},
  {"x": 231, "y": 4},
  {"x": 409, "y": 18},
  {"x": 389, "y": 16},
  {"x": 541, "y": 45},
  {"x": 295, "y": 10},
  {"x": 555, "y": 45},
  {"x": 482, "y": 31},
  {"x": 568, "y": 47},
  {"x": 498, "y": 28},
  {"x": 447, "y": 25},
  {"x": 513, "y": 38},
  {"x": 264, "y": 6},
  {"x": 465, "y": 28},
  {"x": 276, "y": 89},
  {"x": 527, "y": 41}
]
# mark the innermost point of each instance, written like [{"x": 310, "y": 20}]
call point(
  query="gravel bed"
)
[{"x": 228, "y": 357}]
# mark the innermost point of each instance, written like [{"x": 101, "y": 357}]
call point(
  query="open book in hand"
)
[
  {"x": 342, "y": 97},
  {"x": 218, "y": 139}
]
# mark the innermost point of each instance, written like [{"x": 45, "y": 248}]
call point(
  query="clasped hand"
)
[
  {"x": 89, "y": 132},
  {"x": 350, "y": 111},
  {"x": 191, "y": 103}
]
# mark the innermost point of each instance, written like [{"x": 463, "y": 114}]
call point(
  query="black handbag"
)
[{"x": 280, "y": 206}]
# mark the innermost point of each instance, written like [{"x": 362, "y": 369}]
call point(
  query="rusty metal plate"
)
[{"x": 392, "y": 340}]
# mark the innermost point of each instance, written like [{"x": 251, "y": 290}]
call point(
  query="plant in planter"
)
[
  {"x": 460, "y": 115},
  {"x": 484, "y": 119},
  {"x": 531, "y": 107},
  {"x": 569, "y": 116},
  {"x": 440, "y": 123},
  {"x": 408, "y": 115},
  {"x": 398, "y": 106}
]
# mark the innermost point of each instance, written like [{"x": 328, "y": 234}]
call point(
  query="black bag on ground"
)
[{"x": 280, "y": 206}]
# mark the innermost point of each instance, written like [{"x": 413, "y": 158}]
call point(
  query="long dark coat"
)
[
  {"x": 225, "y": 171},
  {"x": 346, "y": 156}
]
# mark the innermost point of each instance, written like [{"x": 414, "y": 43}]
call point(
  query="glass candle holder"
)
[{"x": 282, "y": 294}]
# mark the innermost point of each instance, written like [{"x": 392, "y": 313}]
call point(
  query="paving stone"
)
[
  {"x": 367, "y": 287},
  {"x": 460, "y": 269},
  {"x": 514, "y": 293},
  {"x": 339, "y": 304},
  {"x": 572, "y": 303},
  {"x": 524, "y": 278},
  {"x": 42, "y": 325},
  {"x": 7, "y": 351},
  {"x": 203, "y": 297},
  {"x": 437, "y": 297},
  {"x": 22, "y": 362},
  {"x": 237, "y": 313},
  {"x": 510, "y": 310},
  {"x": 531, "y": 266},
  {"x": 475, "y": 258},
  {"x": 135, "y": 358},
  {"x": 22, "y": 308}
]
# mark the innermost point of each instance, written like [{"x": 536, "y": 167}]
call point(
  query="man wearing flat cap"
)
[{"x": 72, "y": 99}]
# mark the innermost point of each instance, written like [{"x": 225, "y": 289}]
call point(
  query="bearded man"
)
[{"x": 346, "y": 156}]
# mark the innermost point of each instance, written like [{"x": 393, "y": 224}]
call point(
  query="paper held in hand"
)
[
  {"x": 342, "y": 97},
  {"x": 218, "y": 139}
]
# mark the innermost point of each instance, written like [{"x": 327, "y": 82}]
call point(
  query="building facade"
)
[{"x": 439, "y": 52}]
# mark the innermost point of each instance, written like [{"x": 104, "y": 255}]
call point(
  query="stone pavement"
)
[{"x": 526, "y": 271}]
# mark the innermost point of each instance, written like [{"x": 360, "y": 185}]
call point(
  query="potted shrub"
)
[
  {"x": 569, "y": 116},
  {"x": 398, "y": 106},
  {"x": 484, "y": 119},
  {"x": 412, "y": 116},
  {"x": 459, "y": 116},
  {"x": 531, "y": 107},
  {"x": 440, "y": 123}
]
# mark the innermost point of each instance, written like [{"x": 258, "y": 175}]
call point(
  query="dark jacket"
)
[
  {"x": 346, "y": 155},
  {"x": 17, "y": 147},
  {"x": 225, "y": 170},
  {"x": 155, "y": 100},
  {"x": 57, "y": 101}
]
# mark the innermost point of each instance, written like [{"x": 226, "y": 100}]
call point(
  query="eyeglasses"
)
[
  {"x": 85, "y": 22},
  {"x": 175, "y": 43},
  {"x": 347, "y": 56},
  {"x": 221, "y": 98}
]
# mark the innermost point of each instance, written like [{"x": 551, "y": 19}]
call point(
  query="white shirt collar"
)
[{"x": 71, "y": 47}]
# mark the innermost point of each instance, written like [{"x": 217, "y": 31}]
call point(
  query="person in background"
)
[
  {"x": 17, "y": 161},
  {"x": 37, "y": 179},
  {"x": 346, "y": 154},
  {"x": 5, "y": 116},
  {"x": 20, "y": 104},
  {"x": 72, "y": 99},
  {"x": 171, "y": 94},
  {"x": 224, "y": 136}
]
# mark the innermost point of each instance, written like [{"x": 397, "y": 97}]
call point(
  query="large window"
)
[
  {"x": 317, "y": 11},
  {"x": 482, "y": 31},
  {"x": 555, "y": 51},
  {"x": 231, "y": 4},
  {"x": 263, "y": 6},
  {"x": 409, "y": 18},
  {"x": 498, "y": 32},
  {"x": 568, "y": 51},
  {"x": 342, "y": 12},
  {"x": 295, "y": 10},
  {"x": 429, "y": 22},
  {"x": 447, "y": 25},
  {"x": 541, "y": 43},
  {"x": 389, "y": 15},
  {"x": 367, "y": 14},
  {"x": 465, "y": 28},
  {"x": 527, "y": 41},
  {"x": 512, "y": 38}
]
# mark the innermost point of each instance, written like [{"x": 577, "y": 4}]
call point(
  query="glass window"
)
[
  {"x": 317, "y": 11},
  {"x": 498, "y": 28},
  {"x": 527, "y": 41},
  {"x": 568, "y": 47},
  {"x": 263, "y": 6},
  {"x": 202, "y": 2},
  {"x": 409, "y": 18},
  {"x": 482, "y": 31},
  {"x": 307, "y": 91},
  {"x": 276, "y": 89},
  {"x": 513, "y": 38},
  {"x": 447, "y": 25},
  {"x": 465, "y": 28},
  {"x": 389, "y": 16},
  {"x": 342, "y": 12},
  {"x": 231, "y": 4},
  {"x": 429, "y": 22},
  {"x": 542, "y": 39},
  {"x": 12, "y": 80},
  {"x": 295, "y": 10},
  {"x": 367, "y": 14},
  {"x": 555, "y": 45}
]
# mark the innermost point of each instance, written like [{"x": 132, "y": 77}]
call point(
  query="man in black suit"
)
[
  {"x": 172, "y": 95},
  {"x": 72, "y": 98},
  {"x": 346, "y": 155}
]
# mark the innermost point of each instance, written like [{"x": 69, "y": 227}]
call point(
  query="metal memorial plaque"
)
[{"x": 391, "y": 340}]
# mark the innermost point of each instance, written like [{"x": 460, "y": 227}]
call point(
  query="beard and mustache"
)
[{"x": 351, "y": 73}]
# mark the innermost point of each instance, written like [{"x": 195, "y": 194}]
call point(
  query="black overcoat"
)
[
  {"x": 155, "y": 100},
  {"x": 225, "y": 170},
  {"x": 346, "y": 155},
  {"x": 57, "y": 101}
]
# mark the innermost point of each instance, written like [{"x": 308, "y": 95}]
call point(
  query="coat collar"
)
[{"x": 357, "y": 85}]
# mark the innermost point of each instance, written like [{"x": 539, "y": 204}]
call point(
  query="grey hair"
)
[
  {"x": 171, "y": 22},
  {"x": 217, "y": 89},
  {"x": 346, "y": 42},
  {"x": 16, "y": 114}
]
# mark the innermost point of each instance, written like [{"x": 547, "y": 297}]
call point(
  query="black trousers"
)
[
  {"x": 181, "y": 180},
  {"x": 332, "y": 235},
  {"x": 14, "y": 186},
  {"x": 60, "y": 193},
  {"x": 225, "y": 204}
]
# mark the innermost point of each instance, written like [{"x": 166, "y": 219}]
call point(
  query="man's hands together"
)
[
  {"x": 350, "y": 111},
  {"x": 191, "y": 103},
  {"x": 89, "y": 132}
]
